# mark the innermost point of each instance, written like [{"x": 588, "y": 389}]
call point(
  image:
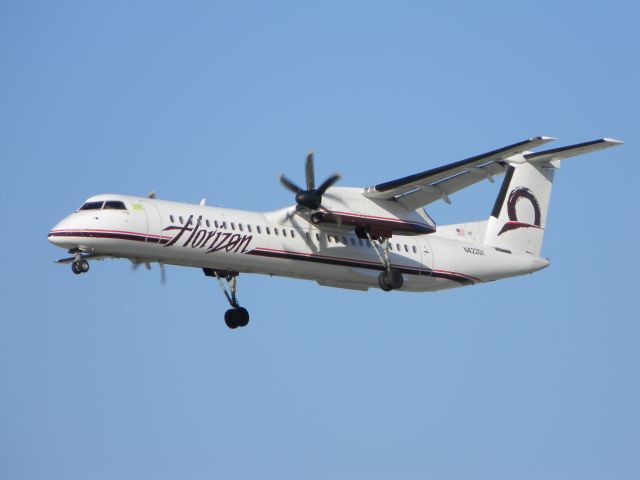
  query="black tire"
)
[
  {"x": 383, "y": 281},
  {"x": 230, "y": 319},
  {"x": 84, "y": 266},
  {"x": 395, "y": 279},
  {"x": 76, "y": 268},
  {"x": 242, "y": 317}
]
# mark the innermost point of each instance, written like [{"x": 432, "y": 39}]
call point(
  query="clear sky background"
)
[{"x": 110, "y": 375}]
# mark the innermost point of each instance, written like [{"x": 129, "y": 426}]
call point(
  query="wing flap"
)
[{"x": 444, "y": 188}]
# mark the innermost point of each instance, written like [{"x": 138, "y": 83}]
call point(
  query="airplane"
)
[{"x": 354, "y": 238}]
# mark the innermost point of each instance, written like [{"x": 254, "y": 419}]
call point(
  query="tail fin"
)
[{"x": 519, "y": 215}]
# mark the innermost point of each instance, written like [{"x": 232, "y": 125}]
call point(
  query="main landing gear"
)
[
  {"x": 390, "y": 278},
  {"x": 236, "y": 316}
]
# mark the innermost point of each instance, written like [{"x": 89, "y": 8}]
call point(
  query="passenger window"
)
[
  {"x": 317, "y": 237},
  {"x": 215, "y": 223},
  {"x": 344, "y": 239},
  {"x": 233, "y": 226},
  {"x": 208, "y": 224},
  {"x": 398, "y": 246},
  {"x": 268, "y": 230},
  {"x": 360, "y": 242},
  {"x": 284, "y": 232},
  {"x": 91, "y": 206},
  {"x": 353, "y": 241},
  {"x": 181, "y": 220},
  {"x": 308, "y": 235},
  {"x": 114, "y": 205},
  {"x": 292, "y": 234},
  {"x": 240, "y": 227},
  {"x": 249, "y": 228},
  {"x": 258, "y": 228},
  {"x": 275, "y": 230},
  {"x": 415, "y": 250},
  {"x": 406, "y": 249},
  {"x": 171, "y": 218},
  {"x": 223, "y": 225}
]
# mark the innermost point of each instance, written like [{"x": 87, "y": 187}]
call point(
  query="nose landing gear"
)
[{"x": 79, "y": 265}]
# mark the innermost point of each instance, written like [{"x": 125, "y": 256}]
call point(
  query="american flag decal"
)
[{"x": 460, "y": 231}]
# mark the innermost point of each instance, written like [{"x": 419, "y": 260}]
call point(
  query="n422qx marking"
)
[{"x": 345, "y": 237}]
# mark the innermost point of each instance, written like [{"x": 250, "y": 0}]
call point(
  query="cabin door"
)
[{"x": 154, "y": 221}]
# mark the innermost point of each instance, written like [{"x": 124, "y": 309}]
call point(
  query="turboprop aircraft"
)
[{"x": 355, "y": 238}]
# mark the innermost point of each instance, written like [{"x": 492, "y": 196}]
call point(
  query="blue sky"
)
[{"x": 109, "y": 375}]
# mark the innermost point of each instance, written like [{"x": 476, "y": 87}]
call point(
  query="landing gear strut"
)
[
  {"x": 390, "y": 278},
  {"x": 236, "y": 316}
]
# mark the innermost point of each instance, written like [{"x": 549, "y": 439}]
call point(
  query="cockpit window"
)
[
  {"x": 91, "y": 206},
  {"x": 114, "y": 205}
]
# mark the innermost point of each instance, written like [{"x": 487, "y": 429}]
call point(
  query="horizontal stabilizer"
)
[{"x": 571, "y": 150}]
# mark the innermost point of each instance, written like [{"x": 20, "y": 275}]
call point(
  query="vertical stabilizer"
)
[{"x": 519, "y": 215}]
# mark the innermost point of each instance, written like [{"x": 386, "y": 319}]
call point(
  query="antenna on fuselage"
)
[{"x": 151, "y": 194}]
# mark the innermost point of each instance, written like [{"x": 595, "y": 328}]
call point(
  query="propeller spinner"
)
[{"x": 310, "y": 198}]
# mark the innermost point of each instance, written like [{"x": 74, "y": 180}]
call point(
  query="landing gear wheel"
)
[
  {"x": 230, "y": 318},
  {"x": 390, "y": 280},
  {"x": 242, "y": 316},
  {"x": 84, "y": 266},
  {"x": 383, "y": 281},
  {"x": 76, "y": 268},
  {"x": 396, "y": 279},
  {"x": 236, "y": 317}
]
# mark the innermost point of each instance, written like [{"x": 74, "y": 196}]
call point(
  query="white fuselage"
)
[{"x": 280, "y": 243}]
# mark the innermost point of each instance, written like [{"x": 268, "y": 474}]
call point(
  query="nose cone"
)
[
  {"x": 59, "y": 235},
  {"x": 55, "y": 236}
]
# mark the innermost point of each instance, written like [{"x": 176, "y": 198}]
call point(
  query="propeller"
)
[
  {"x": 311, "y": 198},
  {"x": 135, "y": 264}
]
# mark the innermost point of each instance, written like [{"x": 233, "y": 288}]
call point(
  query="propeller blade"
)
[
  {"x": 289, "y": 185},
  {"x": 163, "y": 274},
  {"x": 309, "y": 173},
  {"x": 327, "y": 183}
]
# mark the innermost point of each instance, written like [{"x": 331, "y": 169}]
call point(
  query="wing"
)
[{"x": 423, "y": 188}]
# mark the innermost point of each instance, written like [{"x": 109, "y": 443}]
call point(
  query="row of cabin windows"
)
[
  {"x": 331, "y": 238},
  {"x": 364, "y": 243},
  {"x": 240, "y": 227}
]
